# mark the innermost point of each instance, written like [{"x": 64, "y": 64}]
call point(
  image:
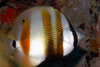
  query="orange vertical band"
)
[{"x": 25, "y": 36}]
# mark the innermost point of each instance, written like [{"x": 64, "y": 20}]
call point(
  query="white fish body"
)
[{"x": 43, "y": 33}]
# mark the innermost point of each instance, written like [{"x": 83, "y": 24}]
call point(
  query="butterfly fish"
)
[{"x": 43, "y": 33}]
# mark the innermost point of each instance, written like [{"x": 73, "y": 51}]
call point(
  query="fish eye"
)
[
  {"x": 14, "y": 43},
  {"x": 23, "y": 21}
]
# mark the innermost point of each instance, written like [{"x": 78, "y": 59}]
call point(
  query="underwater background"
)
[{"x": 84, "y": 16}]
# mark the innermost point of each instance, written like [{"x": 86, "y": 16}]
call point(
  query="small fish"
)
[{"x": 43, "y": 33}]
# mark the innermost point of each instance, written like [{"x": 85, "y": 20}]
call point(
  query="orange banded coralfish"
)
[{"x": 43, "y": 33}]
